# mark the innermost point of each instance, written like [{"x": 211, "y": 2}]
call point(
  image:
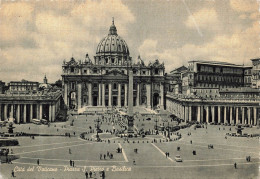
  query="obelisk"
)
[{"x": 130, "y": 103}]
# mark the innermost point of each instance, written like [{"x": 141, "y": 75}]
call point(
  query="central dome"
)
[{"x": 112, "y": 44}]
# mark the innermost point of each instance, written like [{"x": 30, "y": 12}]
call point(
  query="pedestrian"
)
[
  {"x": 69, "y": 151},
  {"x": 73, "y": 163},
  {"x": 191, "y": 142},
  {"x": 103, "y": 174},
  {"x": 86, "y": 174},
  {"x": 70, "y": 162},
  {"x": 38, "y": 162},
  {"x": 74, "y": 133},
  {"x": 166, "y": 154},
  {"x": 104, "y": 156},
  {"x": 13, "y": 173},
  {"x": 100, "y": 157},
  {"x": 90, "y": 174},
  {"x": 134, "y": 162},
  {"x": 235, "y": 165}
]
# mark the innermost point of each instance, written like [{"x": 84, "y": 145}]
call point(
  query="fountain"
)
[{"x": 10, "y": 128}]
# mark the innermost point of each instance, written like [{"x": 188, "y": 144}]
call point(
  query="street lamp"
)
[
  {"x": 168, "y": 130},
  {"x": 98, "y": 120},
  {"x": 156, "y": 120}
]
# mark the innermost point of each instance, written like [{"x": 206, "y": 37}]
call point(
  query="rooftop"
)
[{"x": 219, "y": 63}]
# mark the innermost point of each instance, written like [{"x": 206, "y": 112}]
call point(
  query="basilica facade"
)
[{"x": 103, "y": 81}]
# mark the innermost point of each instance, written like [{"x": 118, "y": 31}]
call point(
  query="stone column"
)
[
  {"x": 50, "y": 113},
  {"x": 207, "y": 114},
  {"x": 109, "y": 94},
  {"x": 31, "y": 112},
  {"x": 137, "y": 94},
  {"x": 243, "y": 115},
  {"x": 198, "y": 113},
  {"x": 40, "y": 116},
  {"x": 148, "y": 95},
  {"x": 162, "y": 95},
  {"x": 24, "y": 114},
  {"x": 18, "y": 113},
  {"x": 237, "y": 115},
  {"x": 5, "y": 111},
  {"x": 231, "y": 115},
  {"x": 186, "y": 113},
  {"x": 213, "y": 114},
  {"x": 103, "y": 94},
  {"x": 201, "y": 114},
  {"x": 248, "y": 116},
  {"x": 12, "y": 111},
  {"x": 99, "y": 94},
  {"x": 79, "y": 95},
  {"x": 89, "y": 94},
  {"x": 225, "y": 114},
  {"x": 66, "y": 94},
  {"x": 126, "y": 95},
  {"x": 190, "y": 114},
  {"x": 53, "y": 112},
  {"x": 219, "y": 118},
  {"x": 254, "y": 116},
  {"x": 119, "y": 95}
]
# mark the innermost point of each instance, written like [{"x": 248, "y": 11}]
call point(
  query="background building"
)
[
  {"x": 2, "y": 87},
  {"x": 104, "y": 81},
  {"x": 205, "y": 78},
  {"x": 23, "y": 86},
  {"x": 256, "y": 73}
]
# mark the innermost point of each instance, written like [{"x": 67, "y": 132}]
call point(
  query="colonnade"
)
[
  {"x": 24, "y": 113},
  {"x": 229, "y": 114}
]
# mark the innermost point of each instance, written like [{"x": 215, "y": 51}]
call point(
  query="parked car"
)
[{"x": 178, "y": 158}]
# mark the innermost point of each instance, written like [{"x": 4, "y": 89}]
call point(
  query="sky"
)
[{"x": 36, "y": 36}]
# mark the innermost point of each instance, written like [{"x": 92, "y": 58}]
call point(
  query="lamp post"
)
[
  {"x": 156, "y": 120},
  {"x": 98, "y": 120},
  {"x": 168, "y": 130}
]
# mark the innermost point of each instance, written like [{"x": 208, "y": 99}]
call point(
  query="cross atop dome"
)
[{"x": 112, "y": 30}]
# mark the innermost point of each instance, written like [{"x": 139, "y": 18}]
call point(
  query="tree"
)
[{"x": 58, "y": 83}]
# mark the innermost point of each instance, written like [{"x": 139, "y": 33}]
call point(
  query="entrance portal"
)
[
  {"x": 114, "y": 101},
  {"x": 95, "y": 98},
  {"x": 155, "y": 99}
]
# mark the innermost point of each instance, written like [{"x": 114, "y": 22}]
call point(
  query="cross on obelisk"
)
[{"x": 130, "y": 103}]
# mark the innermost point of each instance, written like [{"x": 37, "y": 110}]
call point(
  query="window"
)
[
  {"x": 114, "y": 86},
  {"x": 106, "y": 86},
  {"x": 94, "y": 70},
  {"x": 156, "y": 71},
  {"x": 113, "y": 60},
  {"x": 72, "y": 85},
  {"x": 72, "y": 70},
  {"x": 134, "y": 71},
  {"x": 143, "y": 72},
  {"x": 106, "y": 71},
  {"x": 123, "y": 87},
  {"x": 95, "y": 85},
  {"x": 106, "y": 61},
  {"x": 123, "y": 71},
  {"x": 85, "y": 71}
]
